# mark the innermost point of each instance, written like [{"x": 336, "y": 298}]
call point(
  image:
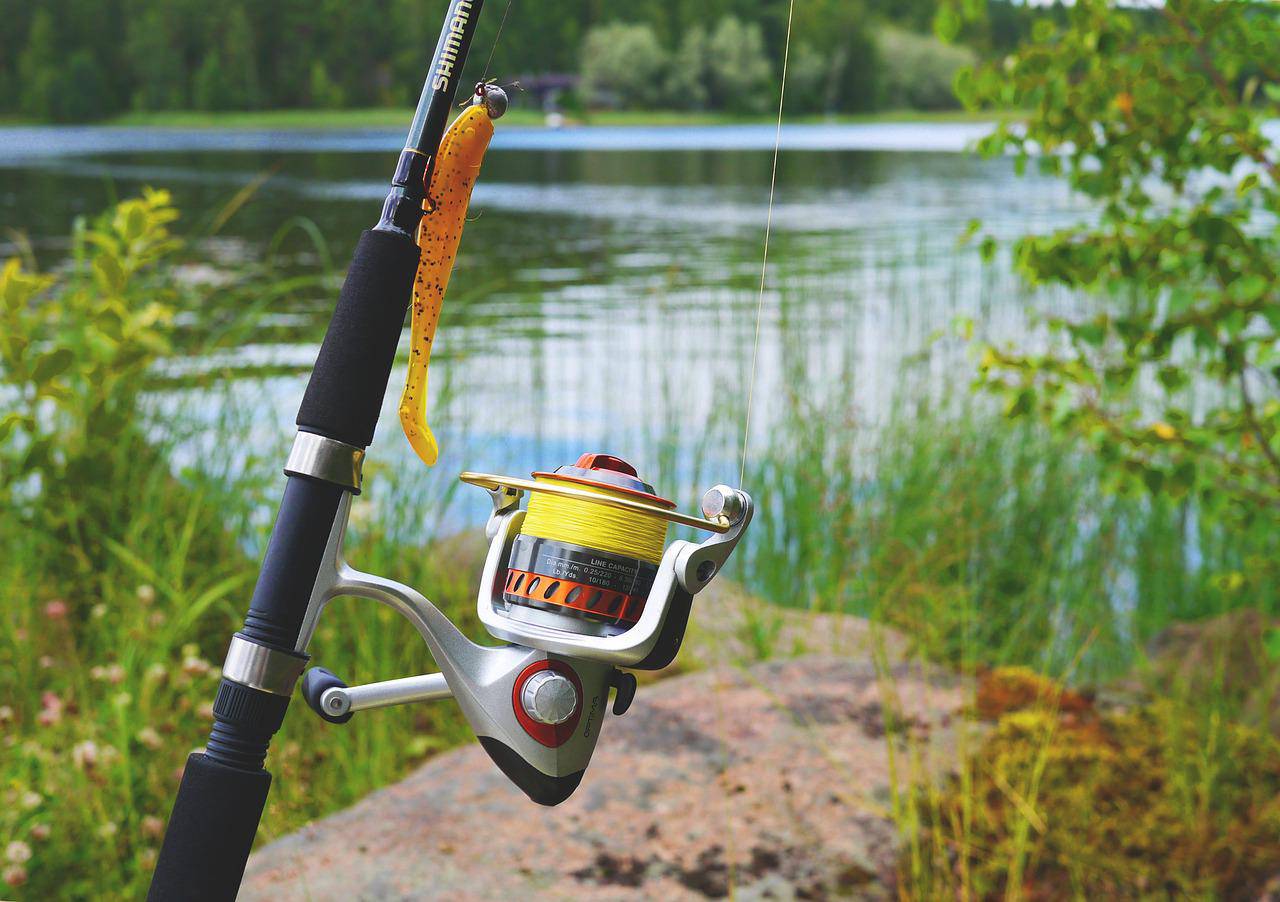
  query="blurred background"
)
[{"x": 1015, "y": 406}]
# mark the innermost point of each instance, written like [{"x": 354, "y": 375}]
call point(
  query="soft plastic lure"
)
[{"x": 456, "y": 169}]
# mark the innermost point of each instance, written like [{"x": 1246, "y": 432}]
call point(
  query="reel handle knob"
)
[{"x": 315, "y": 683}]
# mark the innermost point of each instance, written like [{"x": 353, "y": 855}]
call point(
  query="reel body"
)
[{"x": 538, "y": 702}]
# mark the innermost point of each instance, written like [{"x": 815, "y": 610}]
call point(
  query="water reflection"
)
[{"x": 606, "y": 293}]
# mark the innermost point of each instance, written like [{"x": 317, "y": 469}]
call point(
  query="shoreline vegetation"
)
[
  {"x": 395, "y": 117},
  {"x": 967, "y": 539}
]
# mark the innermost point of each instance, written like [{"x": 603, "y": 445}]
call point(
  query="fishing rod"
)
[{"x": 580, "y": 586}]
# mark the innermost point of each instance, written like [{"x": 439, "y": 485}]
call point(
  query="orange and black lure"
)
[{"x": 457, "y": 167}]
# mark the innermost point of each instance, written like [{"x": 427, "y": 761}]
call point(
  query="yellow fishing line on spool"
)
[{"x": 578, "y": 522}]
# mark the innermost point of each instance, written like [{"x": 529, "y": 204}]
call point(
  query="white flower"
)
[
  {"x": 85, "y": 754},
  {"x": 17, "y": 852}
]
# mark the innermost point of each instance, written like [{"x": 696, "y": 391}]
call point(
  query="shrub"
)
[
  {"x": 739, "y": 75},
  {"x": 688, "y": 82},
  {"x": 623, "y": 65},
  {"x": 74, "y": 352},
  {"x": 1098, "y": 804},
  {"x": 917, "y": 70}
]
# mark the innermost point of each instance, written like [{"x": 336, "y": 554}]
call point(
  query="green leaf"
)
[
  {"x": 52, "y": 365},
  {"x": 1271, "y": 642},
  {"x": 946, "y": 24}
]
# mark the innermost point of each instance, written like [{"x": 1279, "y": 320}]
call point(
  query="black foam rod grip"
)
[
  {"x": 345, "y": 393},
  {"x": 210, "y": 832}
]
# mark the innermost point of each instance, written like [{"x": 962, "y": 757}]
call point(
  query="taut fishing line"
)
[
  {"x": 768, "y": 229},
  {"x": 484, "y": 76}
]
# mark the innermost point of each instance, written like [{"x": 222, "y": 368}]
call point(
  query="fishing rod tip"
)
[{"x": 493, "y": 98}]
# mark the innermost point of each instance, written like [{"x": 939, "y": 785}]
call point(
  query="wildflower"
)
[
  {"x": 108, "y": 830},
  {"x": 45, "y": 662},
  {"x": 150, "y": 738},
  {"x": 152, "y": 827},
  {"x": 30, "y": 800},
  {"x": 195, "y": 666},
  {"x": 50, "y": 709},
  {"x": 147, "y": 858},
  {"x": 206, "y": 711},
  {"x": 41, "y": 832},
  {"x": 85, "y": 754},
  {"x": 98, "y": 611},
  {"x": 156, "y": 619},
  {"x": 157, "y": 672},
  {"x": 15, "y": 875},
  {"x": 6, "y": 714},
  {"x": 56, "y": 609},
  {"x": 146, "y": 594},
  {"x": 17, "y": 852}
]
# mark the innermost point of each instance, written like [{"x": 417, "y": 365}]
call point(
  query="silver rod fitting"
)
[
  {"x": 326, "y": 459},
  {"x": 261, "y": 667}
]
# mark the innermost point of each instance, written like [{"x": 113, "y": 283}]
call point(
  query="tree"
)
[
  {"x": 623, "y": 64},
  {"x": 39, "y": 72},
  {"x": 228, "y": 79},
  {"x": 159, "y": 74},
  {"x": 1158, "y": 116},
  {"x": 917, "y": 70},
  {"x": 690, "y": 72},
  {"x": 837, "y": 31},
  {"x": 740, "y": 75}
]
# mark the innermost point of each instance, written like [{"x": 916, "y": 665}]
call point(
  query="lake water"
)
[{"x": 607, "y": 291}]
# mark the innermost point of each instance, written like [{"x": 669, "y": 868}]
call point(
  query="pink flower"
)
[
  {"x": 50, "y": 709},
  {"x": 152, "y": 827},
  {"x": 15, "y": 875},
  {"x": 17, "y": 852},
  {"x": 41, "y": 832},
  {"x": 56, "y": 609}
]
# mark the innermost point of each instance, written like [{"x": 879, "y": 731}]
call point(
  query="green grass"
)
[{"x": 396, "y": 117}]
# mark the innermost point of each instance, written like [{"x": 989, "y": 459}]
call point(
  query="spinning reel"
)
[{"x": 578, "y": 585}]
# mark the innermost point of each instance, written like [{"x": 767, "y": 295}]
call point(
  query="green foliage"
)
[
  {"x": 624, "y": 65},
  {"x": 74, "y": 353},
  {"x": 325, "y": 93},
  {"x": 228, "y": 80},
  {"x": 739, "y": 77},
  {"x": 167, "y": 54},
  {"x": 917, "y": 70},
  {"x": 836, "y": 58},
  {"x": 725, "y": 68},
  {"x": 1175, "y": 378},
  {"x": 1158, "y": 801},
  {"x": 121, "y": 582}
]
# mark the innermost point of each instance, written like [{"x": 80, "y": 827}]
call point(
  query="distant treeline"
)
[{"x": 86, "y": 59}]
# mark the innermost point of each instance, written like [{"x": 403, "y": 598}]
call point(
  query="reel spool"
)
[{"x": 578, "y": 565}]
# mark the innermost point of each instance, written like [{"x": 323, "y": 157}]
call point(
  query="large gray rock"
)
[{"x": 771, "y": 781}]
